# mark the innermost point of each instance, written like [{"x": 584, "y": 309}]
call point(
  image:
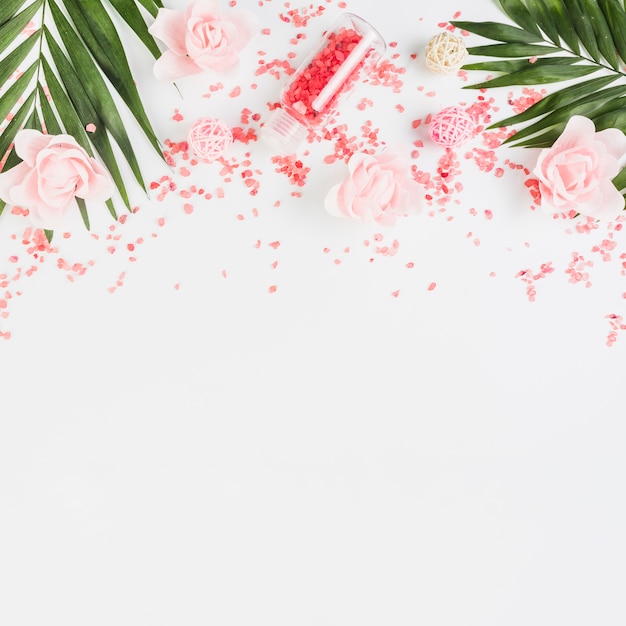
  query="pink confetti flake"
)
[
  {"x": 300, "y": 17},
  {"x": 527, "y": 99},
  {"x": 604, "y": 249},
  {"x": 388, "y": 75},
  {"x": 532, "y": 184},
  {"x": 29, "y": 29},
  {"x": 617, "y": 324},
  {"x": 273, "y": 288},
  {"x": 432, "y": 286},
  {"x": 528, "y": 277},
  {"x": 90, "y": 128},
  {"x": 485, "y": 159},
  {"x": 395, "y": 293},
  {"x": 293, "y": 168},
  {"x": 577, "y": 270}
]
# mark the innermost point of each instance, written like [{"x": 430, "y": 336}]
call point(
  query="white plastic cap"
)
[{"x": 284, "y": 132}]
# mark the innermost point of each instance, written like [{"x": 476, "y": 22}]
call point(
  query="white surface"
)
[{"x": 326, "y": 454}]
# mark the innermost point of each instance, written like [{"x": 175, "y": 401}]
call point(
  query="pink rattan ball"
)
[
  {"x": 209, "y": 138},
  {"x": 451, "y": 127}
]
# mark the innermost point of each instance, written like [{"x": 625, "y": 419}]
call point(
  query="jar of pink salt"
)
[{"x": 347, "y": 53}]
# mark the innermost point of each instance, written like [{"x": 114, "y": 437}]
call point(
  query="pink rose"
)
[
  {"x": 575, "y": 173},
  {"x": 200, "y": 39},
  {"x": 54, "y": 171},
  {"x": 377, "y": 188}
]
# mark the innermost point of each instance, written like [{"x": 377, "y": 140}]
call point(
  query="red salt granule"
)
[
  {"x": 292, "y": 167},
  {"x": 605, "y": 248},
  {"x": 529, "y": 97},
  {"x": 617, "y": 324}
]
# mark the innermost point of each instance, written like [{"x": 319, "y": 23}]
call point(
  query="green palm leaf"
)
[
  {"x": 539, "y": 74},
  {"x": 585, "y": 36},
  {"x": 11, "y": 29},
  {"x": 78, "y": 60},
  {"x": 8, "y": 9},
  {"x": 620, "y": 180},
  {"x": 544, "y": 19}
]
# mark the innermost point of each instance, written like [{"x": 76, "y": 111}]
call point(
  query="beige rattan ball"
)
[{"x": 445, "y": 53}]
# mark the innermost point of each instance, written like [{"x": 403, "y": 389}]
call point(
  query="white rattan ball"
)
[{"x": 445, "y": 53}]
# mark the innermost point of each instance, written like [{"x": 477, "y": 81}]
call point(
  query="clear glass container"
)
[{"x": 348, "y": 51}]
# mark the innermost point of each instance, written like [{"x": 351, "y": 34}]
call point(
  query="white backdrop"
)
[{"x": 249, "y": 415}]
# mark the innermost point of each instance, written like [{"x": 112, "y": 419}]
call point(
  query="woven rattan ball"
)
[
  {"x": 445, "y": 53},
  {"x": 209, "y": 138},
  {"x": 451, "y": 127}
]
